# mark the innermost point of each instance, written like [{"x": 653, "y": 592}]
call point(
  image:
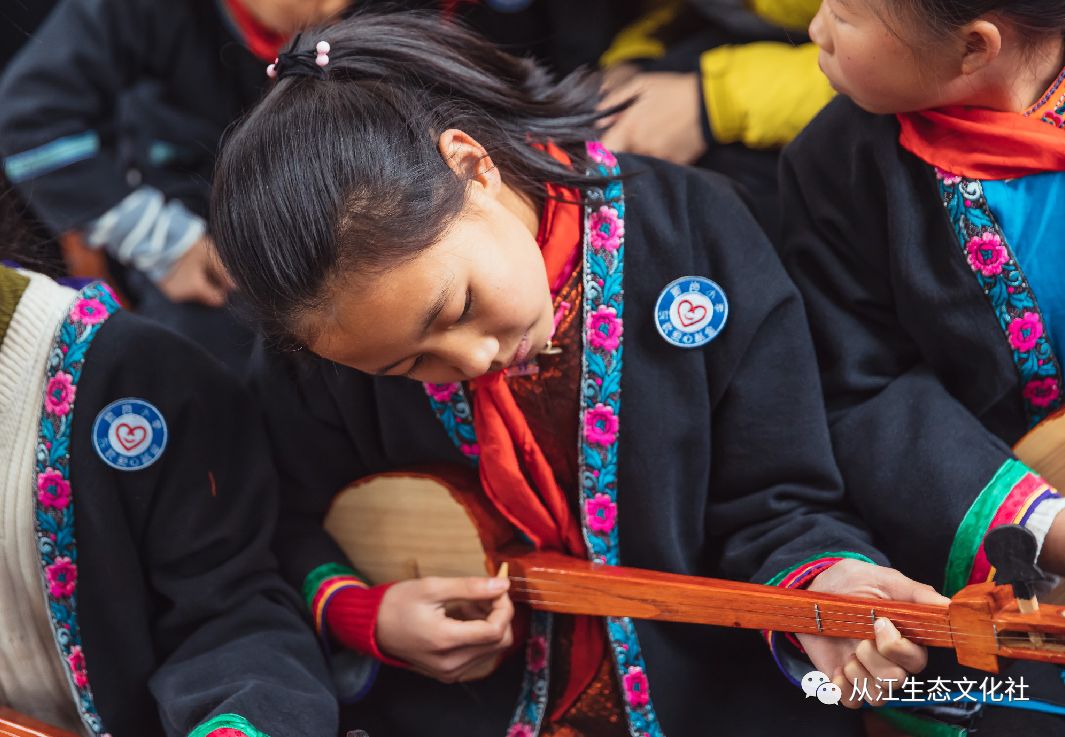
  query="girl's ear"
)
[
  {"x": 470, "y": 162},
  {"x": 983, "y": 44}
]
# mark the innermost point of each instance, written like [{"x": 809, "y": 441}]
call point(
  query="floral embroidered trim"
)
[
  {"x": 1000, "y": 276},
  {"x": 604, "y": 250},
  {"x": 227, "y": 725},
  {"x": 54, "y": 495},
  {"x": 1010, "y": 498},
  {"x": 796, "y": 577},
  {"x": 452, "y": 408}
]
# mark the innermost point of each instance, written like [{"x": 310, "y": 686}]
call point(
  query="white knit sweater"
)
[{"x": 32, "y": 676}]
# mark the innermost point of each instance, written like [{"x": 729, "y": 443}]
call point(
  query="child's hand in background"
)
[
  {"x": 197, "y": 277},
  {"x": 891, "y": 656}
]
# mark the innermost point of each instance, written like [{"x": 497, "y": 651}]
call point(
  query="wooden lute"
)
[{"x": 402, "y": 525}]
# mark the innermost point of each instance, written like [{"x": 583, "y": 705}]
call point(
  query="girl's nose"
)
[
  {"x": 818, "y": 33},
  {"x": 471, "y": 354}
]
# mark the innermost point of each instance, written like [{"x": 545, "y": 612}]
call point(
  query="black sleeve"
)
[
  {"x": 315, "y": 455},
  {"x": 913, "y": 459},
  {"x": 60, "y": 95},
  {"x": 776, "y": 494},
  {"x": 228, "y": 633}
]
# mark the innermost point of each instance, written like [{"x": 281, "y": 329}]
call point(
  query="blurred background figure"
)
[
  {"x": 722, "y": 84},
  {"x": 112, "y": 114},
  {"x": 113, "y": 110}
]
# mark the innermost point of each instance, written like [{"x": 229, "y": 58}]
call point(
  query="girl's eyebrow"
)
[
  {"x": 428, "y": 319},
  {"x": 438, "y": 305}
]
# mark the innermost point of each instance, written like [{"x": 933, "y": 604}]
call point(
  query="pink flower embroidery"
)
[
  {"x": 536, "y": 654},
  {"x": 1042, "y": 392},
  {"x": 946, "y": 177},
  {"x": 60, "y": 394},
  {"x": 470, "y": 449},
  {"x": 604, "y": 328},
  {"x": 600, "y": 425},
  {"x": 600, "y": 154},
  {"x": 1054, "y": 118},
  {"x": 88, "y": 311},
  {"x": 520, "y": 730},
  {"x": 601, "y": 513},
  {"x": 441, "y": 392},
  {"x": 226, "y": 732},
  {"x": 52, "y": 489},
  {"x": 76, "y": 661},
  {"x": 987, "y": 254},
  {"x": 62, "y": 578},
  {"x": 607, "y": 229},
  {"x": 636, "y": 687},
  {"x": 1025, "y": 331}
]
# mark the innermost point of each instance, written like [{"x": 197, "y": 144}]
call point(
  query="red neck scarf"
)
[
  {"x": 514, "y": 472},
  {"x": 264, "y": 42},
  {"x": 990, "y": 144}
]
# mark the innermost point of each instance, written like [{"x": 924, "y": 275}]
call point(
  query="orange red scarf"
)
[
  {"x": 260, "y": 40},
  {"x": 514, "y": 472},
  {"x": 990, "y": 144}
]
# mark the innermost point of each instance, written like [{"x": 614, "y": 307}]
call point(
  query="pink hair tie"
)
[{"x": 310, "y": 63}]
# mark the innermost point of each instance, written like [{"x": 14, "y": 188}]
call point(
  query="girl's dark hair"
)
[
  {"x": 1035, "y": 18},
  {"x": 342, "y": 174}
]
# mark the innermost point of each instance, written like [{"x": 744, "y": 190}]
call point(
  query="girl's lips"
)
[{"x": 523, "y": 349}]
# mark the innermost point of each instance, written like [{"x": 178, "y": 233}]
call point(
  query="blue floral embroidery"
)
[
  {"x": 54, "y": 508},
  {"x": 1000, "y": 276},
  {"x": 603, "y": 269}
]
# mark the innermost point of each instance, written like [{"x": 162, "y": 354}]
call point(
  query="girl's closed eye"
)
[{"x": 466, "y": 306}]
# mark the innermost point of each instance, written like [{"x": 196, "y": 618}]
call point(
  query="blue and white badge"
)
[
  {"x": 691, "y": 311},
  {"x": 129, "y": 434}
]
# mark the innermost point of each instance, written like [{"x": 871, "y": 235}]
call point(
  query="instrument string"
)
[{"x": 838, "y": 621}]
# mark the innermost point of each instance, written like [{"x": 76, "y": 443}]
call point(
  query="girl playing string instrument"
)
[
  {"x": 433, "y": 220},
  {"x": 928, "y": 251}
]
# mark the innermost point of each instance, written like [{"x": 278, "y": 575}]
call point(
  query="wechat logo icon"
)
[{"x": 817, "y": 684}]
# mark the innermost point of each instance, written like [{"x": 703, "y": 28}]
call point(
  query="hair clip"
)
[{"x": 300, "y": 63}]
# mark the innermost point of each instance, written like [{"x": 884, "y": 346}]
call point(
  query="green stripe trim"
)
[
  {"x": 227, "y": 721},
  {"x": 917, "y": 726},
  {"x": 328, "y": 570},
  {"x": 973, "y": 527},
  {"x": 841, "y": 554},
  {"x": 12, "y": 286},
  {"x": 51, "y": 156}
]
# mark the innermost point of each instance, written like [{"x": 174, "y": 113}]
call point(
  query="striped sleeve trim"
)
[
  {"x": 1012, "y": 496},
  {"x": 323, "y": 583},
  {"x": 797, "y": 577},
  {"x": 227, "y": 725},
  {"x": 51, "y": 156}
]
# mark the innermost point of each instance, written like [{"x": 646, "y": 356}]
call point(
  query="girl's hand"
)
[
  {"x": 665, "y": 121},
  {"x": 890, "y": 656},
  {"x": 446, "y": 628},
  {"x": 197, "y": 277}
]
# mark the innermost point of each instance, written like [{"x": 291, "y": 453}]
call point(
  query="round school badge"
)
[
  {"x": 691, "y": 311},
  {"x": 129, "y": 434}
]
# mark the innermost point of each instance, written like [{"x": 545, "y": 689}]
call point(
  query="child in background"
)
[
  {"x": 431, "y": 219},
  {"x": 111, "y": 117},
  {"x": 923, "y": 221},
  {"x": 139, "y": 595}
]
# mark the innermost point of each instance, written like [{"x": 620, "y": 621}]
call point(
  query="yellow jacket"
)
[{"x": 761, "y": 94}]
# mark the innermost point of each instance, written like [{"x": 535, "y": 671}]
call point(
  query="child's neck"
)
[{"x": 1019, "y": 91}]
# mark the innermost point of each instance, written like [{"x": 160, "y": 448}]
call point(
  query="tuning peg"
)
[{"x": 1012, "y": 550}]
